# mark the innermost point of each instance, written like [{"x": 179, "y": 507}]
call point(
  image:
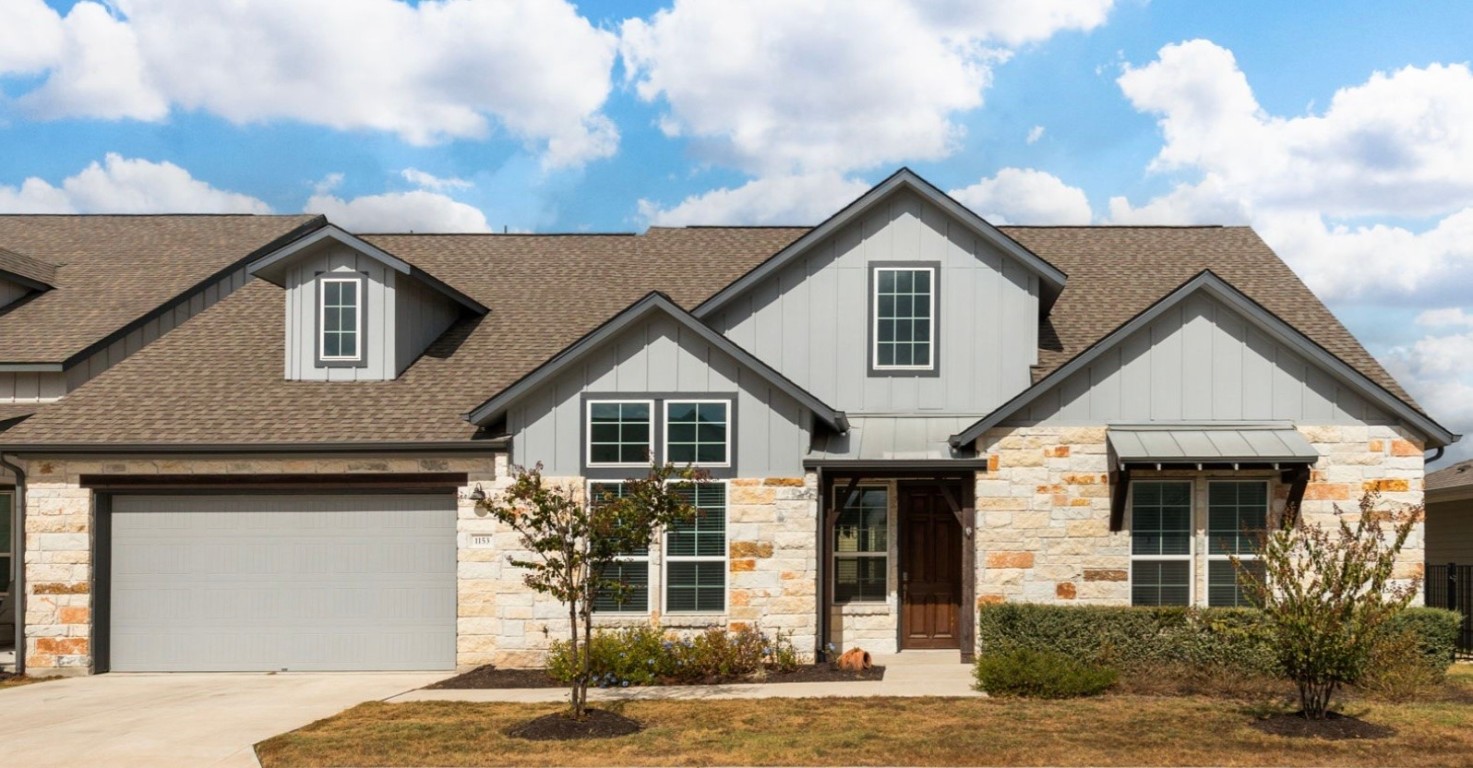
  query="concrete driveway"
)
[{"x": 123, "y": 720}]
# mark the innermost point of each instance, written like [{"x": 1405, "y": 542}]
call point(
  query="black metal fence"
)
[{"x": 1451, "y": 586}]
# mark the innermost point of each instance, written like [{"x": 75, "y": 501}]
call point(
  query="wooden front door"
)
[{"x": 930, "y": 570}]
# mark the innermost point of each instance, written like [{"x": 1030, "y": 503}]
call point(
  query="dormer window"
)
[
  {"x": 903, "y": 318},
  {"x": 340, "y": 320}
]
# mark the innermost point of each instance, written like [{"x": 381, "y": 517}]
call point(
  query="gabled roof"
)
[
  {"x": 1053, "y": 279},
  {"x": 652, "y": 303},
  {"x": 1275, "y": 327},
  {"x": 272, "y": 266},
  {"x": 1450, "y": 481},
  {"x": 112, "y": 274},
  {"x": 32, "y": 273}
]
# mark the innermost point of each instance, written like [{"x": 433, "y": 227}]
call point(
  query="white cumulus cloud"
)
[
  {"x": 798, "y": 199},
  {"x": 1025, "y": 196},
  {"x": 414, "y": 211},
  {"x": 123, "y": 185},
  {"x": 426, "y": 180},
  {"x": 428, "y": 73}
]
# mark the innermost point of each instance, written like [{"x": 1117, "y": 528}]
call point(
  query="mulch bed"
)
[
  {"x": 491, "y": 677},
  {"x": 1335, "y": 727},
  {"x": 599, "y": 724}
]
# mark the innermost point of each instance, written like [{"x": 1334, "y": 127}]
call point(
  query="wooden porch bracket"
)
[
  {"x": 1121, "y": 481},
  {"x": 1298, "y": 480}
]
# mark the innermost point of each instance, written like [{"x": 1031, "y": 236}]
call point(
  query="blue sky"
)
[{"x": 1343, "y": 132}]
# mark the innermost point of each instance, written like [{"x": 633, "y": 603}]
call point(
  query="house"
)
[
  {"x": 1450, "y": 515},
  {"x": 905, "y": 412}
]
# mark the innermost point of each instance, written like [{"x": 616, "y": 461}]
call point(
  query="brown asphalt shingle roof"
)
[
  {"x": 1456, "y": 476},
  {"x": 21, "y": 265},
  {"x": 218, "y": 379},
  {"x": 111, "y": 270}
]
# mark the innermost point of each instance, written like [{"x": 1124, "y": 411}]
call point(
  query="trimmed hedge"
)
[
  {"x": 1144, "y": 639},
  {"x": 1040, "y": 675}
]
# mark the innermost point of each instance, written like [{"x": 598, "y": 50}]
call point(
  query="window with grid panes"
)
[
  {"x": 632, "y": 569},
  {"x": 1161, "y": 543},
  {"x": 904, "y": 318},
  {"x": 695, "y": 553},
  {"x": 862, "y": 547},
  {"x": 1237, "y": 515}
]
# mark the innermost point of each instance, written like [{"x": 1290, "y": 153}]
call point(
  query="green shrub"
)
[
  {"x": 1133, "y": 639},
  {"x": 1210, "y": 643},
  {"x": 1040, "y": 674},
  {"x": 644, "y": 655}
]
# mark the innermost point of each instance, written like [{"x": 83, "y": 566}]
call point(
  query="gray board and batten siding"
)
[
  {"x": 1201, "y": 361},
  {"x": 282, "y": 582},
  {"x": 659, "y": 358},
  {"x": 400, "y": 319},
  {"x": 810, "y": 320}
]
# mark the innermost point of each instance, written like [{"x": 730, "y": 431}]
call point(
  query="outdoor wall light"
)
[{"x": 479, "y": 494}]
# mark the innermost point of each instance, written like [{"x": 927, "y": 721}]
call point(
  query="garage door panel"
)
[{"x": 239, "y": 583}]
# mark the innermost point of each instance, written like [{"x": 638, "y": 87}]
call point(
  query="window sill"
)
[
  {"x": 874, "y": 608},
  {"x": 693, "y": 620}
]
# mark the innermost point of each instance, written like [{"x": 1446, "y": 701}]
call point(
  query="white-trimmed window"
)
[
  {"x": 698, "y": 432},
  {"x": 695, "y": 553},
  {"x": 1161, "y": 542},
  {"x": 904, "y": 319},
  {"x": 1237, "y": 514},
  {"x": 632, "y": 568},
  {"x": 620, "y": 432},
  {"x": 862, "y": 547},
  {"x": 340, "y": 318}
]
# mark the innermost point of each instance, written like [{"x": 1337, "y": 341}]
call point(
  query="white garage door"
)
[{"x": 265, "y": 582}]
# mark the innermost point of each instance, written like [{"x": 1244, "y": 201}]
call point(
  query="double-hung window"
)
[
  {"x": 1161, "y": 543},
  {"x": 340, "y": 319},
  {"x": 631, "y": 570},
  {"x": 620, "y": 432},
  {"x": 1237, "y": 514},
  {"x": 698, "y": 432},
  {"x": 695, "y": 553},
  {"x": 903, "y": 332},
  {"x": 861, "y": 547}
]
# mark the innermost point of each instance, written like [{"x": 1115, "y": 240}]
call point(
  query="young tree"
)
[
  {"x": 1328, "y": 592},
  {"x": 574, "y": 542}
]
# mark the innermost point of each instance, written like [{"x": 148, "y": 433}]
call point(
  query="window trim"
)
[
  {"x": 1208, "y": 557},
  {"x": 835, "y": 555},
  {"x": 1192, "y": 528},
  {"x": 341, "y": 361},
  {"x": 7, "y": 505},
  {"x": 648, "y": 558},
  {"x": 588, "y": 404},
  {"x": 665, "y": 427},
  {"x": 724, "y": 558},
  {"x": 873, "y": 319}
]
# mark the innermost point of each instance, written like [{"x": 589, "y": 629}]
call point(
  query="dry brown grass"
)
[
  {"x": 1107, "y": 731},
  {"x": 14, "y": 682}
]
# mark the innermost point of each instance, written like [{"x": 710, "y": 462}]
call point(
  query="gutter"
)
[
  {"x": 18, "y": 559},
  {"x": 246, "y": 449}
]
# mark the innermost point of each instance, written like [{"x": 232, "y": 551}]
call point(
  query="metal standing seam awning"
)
[
  {"x": 1274, "y": 445},
  {"x": 875, "y": 442}
]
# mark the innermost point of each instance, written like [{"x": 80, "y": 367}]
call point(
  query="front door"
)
[{"x": 930, "y": 570}]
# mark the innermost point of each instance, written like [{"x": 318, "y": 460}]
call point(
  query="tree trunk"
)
[
  {"x": 578, "y": 698},
  {"x": 1314, "y": 698}
]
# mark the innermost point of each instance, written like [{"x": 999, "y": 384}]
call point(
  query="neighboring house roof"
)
[
  {"x": 495, "y": 407},
  {"x": 218, "y": 378},
  {"x": 1282, "y": 331},
  {"x": 1052, "y": 278},
  {"x": 33, "y": 273},
  {"x": 1456, "y": 478},
  {"x": 112, "y": 271}
]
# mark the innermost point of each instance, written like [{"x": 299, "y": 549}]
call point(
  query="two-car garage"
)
[{"x": 223, "y": 581}]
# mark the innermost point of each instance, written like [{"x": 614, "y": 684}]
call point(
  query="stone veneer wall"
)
[
  {"x": 771, "y": 578},
  {"x": 59, "y": 526},
  {"x": 1043, "y": 507}
]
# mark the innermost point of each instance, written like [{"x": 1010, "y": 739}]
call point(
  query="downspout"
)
[
  {"x": 18, "y": 562},
  {"x": 1441, "y": 449}
]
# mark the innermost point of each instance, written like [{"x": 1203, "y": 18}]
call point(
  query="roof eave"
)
[
  {"x": 496, "y": 406},
  {"x": 1275, "y": 326}
]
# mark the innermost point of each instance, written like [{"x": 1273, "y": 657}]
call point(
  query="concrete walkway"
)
[
  {"x": 913, "y": 673},
  {"x": 123, "y": 720}
]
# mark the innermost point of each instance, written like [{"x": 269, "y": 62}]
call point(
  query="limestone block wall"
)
[
  {"x": 1043, "y": 506},
  {"x": 60, "y": 521},
  {"x": 771, "y": 577}
]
